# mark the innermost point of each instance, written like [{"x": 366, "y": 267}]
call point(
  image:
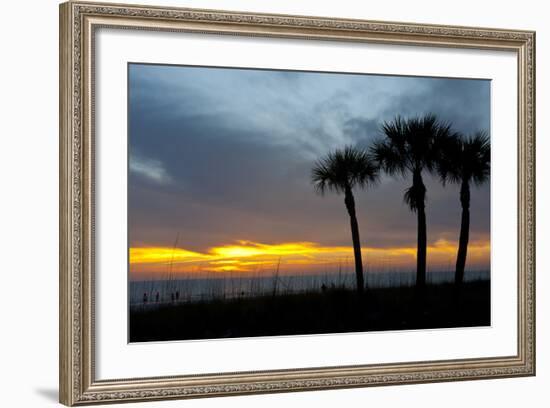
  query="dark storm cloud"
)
[
  {"x": 224, "y": 154},
  {"x": 464, "y": 103}
]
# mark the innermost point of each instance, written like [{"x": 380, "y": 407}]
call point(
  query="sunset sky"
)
[{"x": 220, "y": 163}]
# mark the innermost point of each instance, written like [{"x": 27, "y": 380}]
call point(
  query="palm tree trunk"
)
[
  {"x": 464, "y": 233},
  {"x": 421, "y": 249},
  {"x": 420, "y": 189},
  {"x": 350, "y": 205}
]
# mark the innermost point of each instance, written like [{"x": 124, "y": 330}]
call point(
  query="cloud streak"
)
[
  {"x": 149, "y": 168},
  {"x": 289, "y": 258}
]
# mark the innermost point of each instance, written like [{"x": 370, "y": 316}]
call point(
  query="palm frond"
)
[
  {"x": 415, "y": 196},
  {"x": 479, "y": 157},
  {"x": 388, "y": 157},
  {"x": 449, "y": 161},
  {"x": 344, "y": 168},
  {"x": 465, "y": 159},
  {"x": 413, "y": 145},
  {"x": 321, "y": 176},
  {"x": 410, "y": 144}
]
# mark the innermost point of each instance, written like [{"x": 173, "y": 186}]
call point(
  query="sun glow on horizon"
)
[{"x": 253, "y": 257}]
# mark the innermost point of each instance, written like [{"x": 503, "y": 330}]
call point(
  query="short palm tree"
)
[
  {"x": 464, "y": 161},
  {"x": 341, "y": 171},
  {"x": 411, "y": 146}
]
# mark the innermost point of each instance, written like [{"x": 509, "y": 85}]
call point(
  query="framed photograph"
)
[{"x": 256, "y": 203}]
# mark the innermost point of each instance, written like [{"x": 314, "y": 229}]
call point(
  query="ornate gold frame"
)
[{"x": 78, "y": 21}]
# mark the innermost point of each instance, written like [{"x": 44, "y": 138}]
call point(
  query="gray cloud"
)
[{"x": 237, "y": 147}]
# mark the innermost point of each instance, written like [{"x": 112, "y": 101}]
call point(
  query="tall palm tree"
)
[
  {"x": 341, "y": 171},
  {"x": 411, "y": 146},
  {"x": 463, "y": 161}
]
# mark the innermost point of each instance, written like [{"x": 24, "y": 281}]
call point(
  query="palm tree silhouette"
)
[
  {"x": 341, "y": 171},
  {"x": 411, "y": 146},
  {"x": 463, "y": 161}
]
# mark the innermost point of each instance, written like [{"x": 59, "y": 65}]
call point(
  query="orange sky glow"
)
[{"x": 292, "y": 257}]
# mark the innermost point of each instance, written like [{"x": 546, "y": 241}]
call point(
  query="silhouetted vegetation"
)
[
  {"x": 411, "y": 147},
  {"x": 333, "y": 310},
  {"x": 464, "y": 161},
  {"x": 341, "y": 171}
]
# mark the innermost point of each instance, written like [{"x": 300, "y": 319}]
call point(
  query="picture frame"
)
[{"x": 79, "y": 23}]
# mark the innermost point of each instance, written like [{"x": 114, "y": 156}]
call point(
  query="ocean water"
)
[{"x": 190, "y": 289}]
